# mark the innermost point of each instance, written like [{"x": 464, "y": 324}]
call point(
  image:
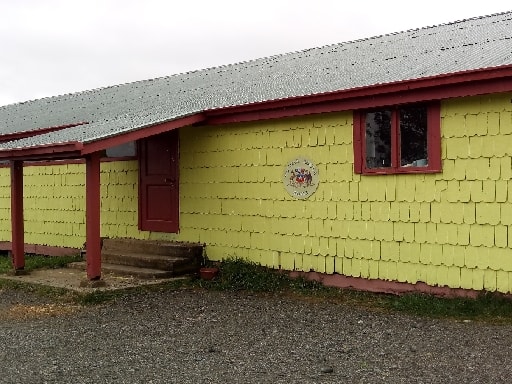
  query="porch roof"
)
[{"x": 442, "y": 51}]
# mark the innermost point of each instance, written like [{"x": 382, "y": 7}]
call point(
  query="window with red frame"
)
[{"x": 398, "y": 139}]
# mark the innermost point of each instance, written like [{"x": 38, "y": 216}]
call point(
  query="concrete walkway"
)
[{"x": 76, "y": 280}]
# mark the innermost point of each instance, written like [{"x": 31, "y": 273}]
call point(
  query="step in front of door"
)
[
  {"x": 155, "y": 247},
  {"x": 170, "y": 258},
  {"x": 144, "y": 260},
  {"x": 127, "y": 270}
]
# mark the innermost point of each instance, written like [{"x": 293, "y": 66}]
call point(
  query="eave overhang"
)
[
  {"x": 57, "y": 151},
  {"x": 461, "y": 84},
  {"x": 143, "y": 132},
  {"x": 74, "y": 149},
  {"x": 40, "y": 131}
]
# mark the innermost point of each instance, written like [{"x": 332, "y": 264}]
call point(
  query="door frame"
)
[{"x": 142, "y": 153}]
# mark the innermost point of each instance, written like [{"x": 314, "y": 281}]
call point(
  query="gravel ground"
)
[{"x": 211, "y": 337}]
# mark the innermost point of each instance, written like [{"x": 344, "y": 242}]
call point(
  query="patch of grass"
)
[
  {"x": 239, "y": 275},
  {"x": 40, "y": 290},
  {"x": 5, "y": 264},
  {"x": 487, "y": 306},
  {"x": 33, "y": 262},
  {"x": 37, "y": 262}
]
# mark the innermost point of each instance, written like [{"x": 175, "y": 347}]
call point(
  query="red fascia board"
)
[
  {"x": 42, "y": 152},
  {"x": 78, "y": 150},
  {"x": 461, "y": 84},
  {"x": 142, "y": 133},
  {"x": 35, "y": 132}
]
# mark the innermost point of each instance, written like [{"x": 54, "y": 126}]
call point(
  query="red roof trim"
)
[
  {"x": 467, "y": 83},
  {"x": 42, "y": 152},
  {"x": 77, "y": 150},
  {"x": 142, "y": 133},
  {"x": 35, "y": 132},
  {"x": 461, "y": 84}
]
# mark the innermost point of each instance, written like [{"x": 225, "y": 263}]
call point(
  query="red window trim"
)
[{"x": 433, "y": 144}]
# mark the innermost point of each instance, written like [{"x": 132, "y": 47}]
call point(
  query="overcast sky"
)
[{"x": 51, "y": 47}]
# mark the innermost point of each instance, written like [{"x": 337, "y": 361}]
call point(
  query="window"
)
[
  {"x": 123, "y": 150},
  {"x": 401, "y": 139}
]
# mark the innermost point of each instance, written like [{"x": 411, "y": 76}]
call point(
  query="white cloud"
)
[{"x": 57, "y": 46}]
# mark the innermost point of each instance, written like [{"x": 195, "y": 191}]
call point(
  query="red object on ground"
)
[{"x": 208, "y": 273}]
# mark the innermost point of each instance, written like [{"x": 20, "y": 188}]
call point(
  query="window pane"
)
[
  {"x": 413, "y": 137},
  {"x": 378, "y": 139},
  {"x": 123, "y": 150}
]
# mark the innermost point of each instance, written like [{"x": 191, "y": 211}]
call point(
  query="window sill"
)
[{"x": 400, "y": 171}]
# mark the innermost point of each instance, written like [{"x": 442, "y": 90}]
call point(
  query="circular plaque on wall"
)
[{"x": 300, "y": 178}]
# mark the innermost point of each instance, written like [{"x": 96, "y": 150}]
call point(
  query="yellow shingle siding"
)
[
  {"x": 5, "y": 205},
  {"x": 119, "y": 199},
  {"x": 54, "y": 203},
  {"x": 449, "y": 229},
  {"x": 231, "y": 185}
]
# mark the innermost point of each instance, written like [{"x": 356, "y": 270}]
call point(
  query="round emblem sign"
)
[{"x": 300, "y": 178}]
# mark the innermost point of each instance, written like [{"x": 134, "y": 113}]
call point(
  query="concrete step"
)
[
  {"x": 149, "y": 259},
  {"x": 154, "y": 247},
  {"x": 127, "y": 270},
  {"x": 145, "y": 260}
]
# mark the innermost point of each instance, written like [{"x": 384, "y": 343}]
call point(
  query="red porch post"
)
[
  {"x": 17, "y": 224},
  {"x": 92, "y": 215}
]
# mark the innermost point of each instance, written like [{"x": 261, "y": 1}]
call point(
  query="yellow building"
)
[{"x": 381, "y": 164}]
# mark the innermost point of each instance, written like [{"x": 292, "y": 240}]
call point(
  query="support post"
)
[
  {"x": 17, "y": 224},
  {"x": 92, "y": 213}
]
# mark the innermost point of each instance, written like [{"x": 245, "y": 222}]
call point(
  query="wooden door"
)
[{"x": 159, "y": 183}]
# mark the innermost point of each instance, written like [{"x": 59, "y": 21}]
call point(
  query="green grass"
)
[
  {"x": 239, "y": 275},
  {"x": 60, "y": 294},
  {"x": 37, "y": 262},
  {"x": 33, "y": 262},
  {"x": 488, "y": 307}
]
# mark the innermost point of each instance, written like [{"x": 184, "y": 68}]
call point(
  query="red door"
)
[{"x": 159, "y": 183}]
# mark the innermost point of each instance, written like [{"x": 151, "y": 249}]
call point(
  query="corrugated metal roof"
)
[{"x": 448, "y": 48}]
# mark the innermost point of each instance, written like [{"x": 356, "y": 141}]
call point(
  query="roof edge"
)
[
  {"x": 42, "y": 152},
  {"x": 35, "y": 132},
  {"x": 142, "y": 132},
  {"x": 457, "y": 84}
]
